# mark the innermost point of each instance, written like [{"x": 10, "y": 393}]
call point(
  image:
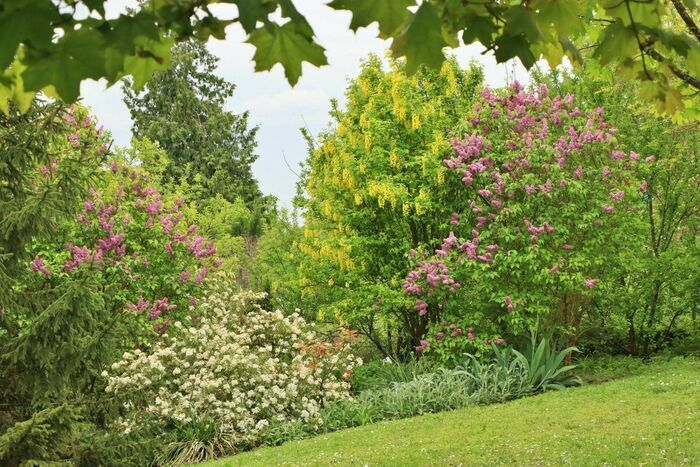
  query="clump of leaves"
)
[
  {"x": 502, "y": 378},
  {"x": 544, "y": 363}
]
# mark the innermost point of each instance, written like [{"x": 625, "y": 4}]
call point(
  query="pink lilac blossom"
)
[
  {"x": 547, "y": 187},
  {"x": 201, "y": 275},
  {"x": 617, "y": 155},
  {"x": 141, "y": 305},
  {"x": 80, "y": 255},
  {"x": 74, "y": 140},
  {"x": 435, "y": 274},
  {"x": 617, "y": 195},
  {"x": 184, "y": 276},
  {"x": 160, "y": 306},
  {"x": 37, "y": 265}
]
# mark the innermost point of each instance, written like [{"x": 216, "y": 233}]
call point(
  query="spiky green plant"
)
[
  {"x": 502, "y": 378},
  {"x": 544, "y": 363}
]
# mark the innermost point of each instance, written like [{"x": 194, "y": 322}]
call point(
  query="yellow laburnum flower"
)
[
  {"x": 449, "y": 73},
  {"x": 394, "y": 159},
  {"x": 358, "y": 199},
  {"x": 348, "y": 179},
  {"x": 342, "y": 129},
  {"x": 438, "y": 143},
  {"x": 415, "y": 121},
  {"x": 364, "y": 85}
]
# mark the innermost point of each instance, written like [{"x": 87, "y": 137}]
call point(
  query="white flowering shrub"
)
[{"x": 240, "y": 366}]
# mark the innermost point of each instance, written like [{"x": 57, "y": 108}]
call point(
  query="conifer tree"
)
[{"x": 182, "y": 109}]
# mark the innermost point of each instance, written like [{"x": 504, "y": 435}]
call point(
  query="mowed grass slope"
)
[{"x": 649, "y": 419}]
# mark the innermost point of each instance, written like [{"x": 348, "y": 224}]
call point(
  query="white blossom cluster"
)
[{"x": 239, "y": 366}]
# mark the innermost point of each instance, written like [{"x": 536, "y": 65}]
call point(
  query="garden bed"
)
[{"x": 651, "y": 418}]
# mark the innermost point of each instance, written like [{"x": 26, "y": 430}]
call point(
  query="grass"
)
[{"x": 652, "y": 418}]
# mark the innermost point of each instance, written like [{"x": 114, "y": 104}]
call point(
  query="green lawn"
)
[{"x": 650, "y": 419}]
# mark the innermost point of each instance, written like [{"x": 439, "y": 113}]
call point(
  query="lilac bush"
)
[{"x": 550, "y": 196}]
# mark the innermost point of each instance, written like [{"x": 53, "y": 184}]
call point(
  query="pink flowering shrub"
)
[
  {"x": 136, "y": 246},
  {"x": 548, "y": 195}
]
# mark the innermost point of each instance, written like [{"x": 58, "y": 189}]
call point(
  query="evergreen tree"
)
[
  {"x": 182, "y": 109},
  {"x": 49, "y": 158}
]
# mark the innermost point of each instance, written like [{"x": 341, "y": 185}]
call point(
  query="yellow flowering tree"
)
[{"x": 375, "y": 188}]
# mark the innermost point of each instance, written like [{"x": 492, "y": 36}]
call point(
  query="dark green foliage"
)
[
  {"x": 42, "y": 179},
  {"x": 43, "y": 437},
  {"x": 182, "y": 109},
  {"x": 55, "y": 329},
  {"x": 116, "y": 447}
]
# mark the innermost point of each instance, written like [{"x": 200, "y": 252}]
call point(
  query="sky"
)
[{"x": 279, "y": 109}]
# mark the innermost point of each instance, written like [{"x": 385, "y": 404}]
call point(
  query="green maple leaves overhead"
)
[
  {"x": 421, "y": 40},
  {"x": 44, "y": 47},
  {"x": 389, "y": 14}
]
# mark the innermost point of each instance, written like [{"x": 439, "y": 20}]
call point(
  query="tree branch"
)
[
  {"x": 691, "y": 80},
  {"x": 687, "y": 19}
]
